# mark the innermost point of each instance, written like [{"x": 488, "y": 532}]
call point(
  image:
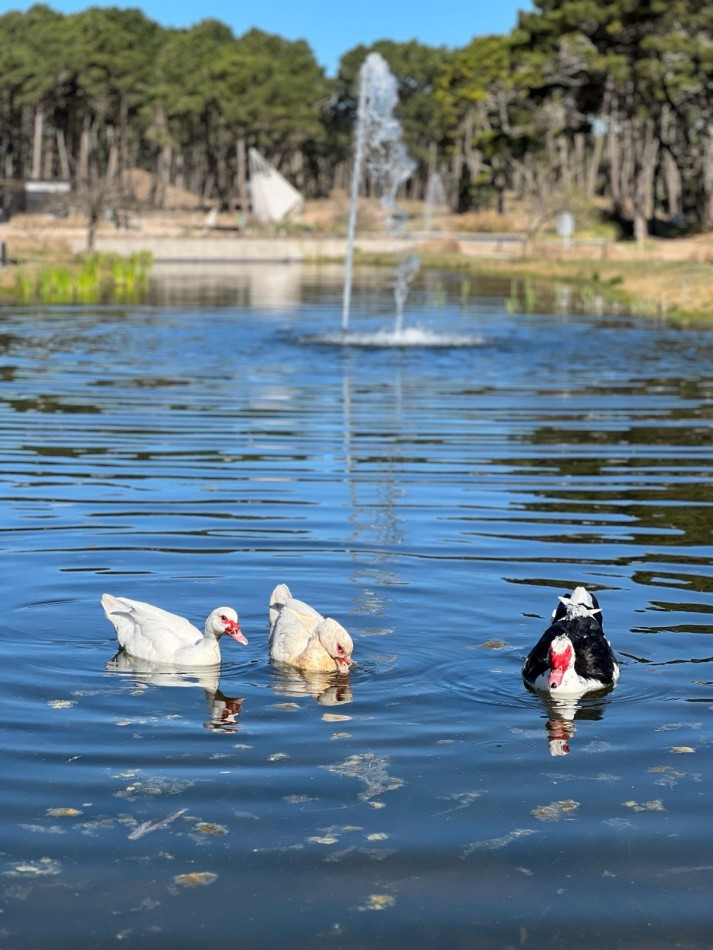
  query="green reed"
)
[
  {"x": 526, "y": 303},
  {"x": 97, "y": 278}
]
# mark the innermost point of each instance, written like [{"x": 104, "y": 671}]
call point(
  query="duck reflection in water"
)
[
  {"x": 329, "y": 689},
  {"x": 224, "y": 710},
  {"x": 563, "y": 713}
]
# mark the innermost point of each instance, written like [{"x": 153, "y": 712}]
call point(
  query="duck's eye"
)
[
  {"x": 223, "y": 618},
  {"x": 340, "y": 649}
]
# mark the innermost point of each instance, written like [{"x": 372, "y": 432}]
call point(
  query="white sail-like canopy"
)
[{"x": 273, "y": 197}]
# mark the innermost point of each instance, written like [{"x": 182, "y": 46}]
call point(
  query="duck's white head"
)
[
  {"x": 337, "y": 642},
  {"x": 224, "y": 620},
  {"x": 560, "y": 659}
]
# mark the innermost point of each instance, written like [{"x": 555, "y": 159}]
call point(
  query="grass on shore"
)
[
  {"x": 677, "y": 290},
  {"x": 673, "y": 289},
  {"x": 96, "y": 278}
]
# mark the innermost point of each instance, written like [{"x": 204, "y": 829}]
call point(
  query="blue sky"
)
[{"x": 330, "y": 28}]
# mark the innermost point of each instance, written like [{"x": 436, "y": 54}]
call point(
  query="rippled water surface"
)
[{"x": 200, "y": 449}]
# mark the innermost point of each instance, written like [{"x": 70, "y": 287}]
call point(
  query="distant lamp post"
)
[{"x": 565, "y": 227}]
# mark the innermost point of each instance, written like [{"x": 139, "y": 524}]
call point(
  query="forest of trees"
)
[{"x": 585, "y": 99}]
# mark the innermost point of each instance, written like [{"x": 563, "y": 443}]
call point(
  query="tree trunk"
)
[
  {"x": 432, "y": 160},
  {"x": 614, "y": 164},
  {"x": 92, "y": 222},
  {"x": 473, "y": 163},
  {"x": 456, "y": 172},
  {"x": 121, "y": 137},
  {"x": 241, "y": 173},
  {"x": 36, "y": 170},
  {"x": 644, "y": 148},
  {"x": 594, "y": 164},
  {"x": 180, "y": 179},
  {"x": 84, "y": 148},
  {"x": 63, "y": 157},
  {"x": 564, "y": 161},
  {"x": 112, "y": 165},
  {"x": 48, "y": 160},
  {"x": 297, "y": 168},
  {"x": 707, "y": 215},
  {"x": 163, "y": 175},
  {"x": 672, "y": 178},
  {"x": 670, "y": 174}
]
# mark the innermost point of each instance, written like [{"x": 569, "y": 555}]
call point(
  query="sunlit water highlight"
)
[{"x": 436, "y": 501}]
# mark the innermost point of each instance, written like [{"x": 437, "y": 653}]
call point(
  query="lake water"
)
[{"x": 198, "y": 450}]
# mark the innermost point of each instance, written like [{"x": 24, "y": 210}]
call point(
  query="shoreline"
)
[{"x": 664, "y": 278}]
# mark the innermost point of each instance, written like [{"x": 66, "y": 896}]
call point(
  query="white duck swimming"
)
[
  {"x": 152, "y": 634},
  {"x": 572, "y": 657},
  {"x": 301, "y": 637}
]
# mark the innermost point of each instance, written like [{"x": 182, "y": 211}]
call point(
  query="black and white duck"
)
[{"x": 572, "y": 657}]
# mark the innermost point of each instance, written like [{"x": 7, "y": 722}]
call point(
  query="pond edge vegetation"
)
[
  {"x": 91, "y": 279},
  {"x": 675, "y": 290}
]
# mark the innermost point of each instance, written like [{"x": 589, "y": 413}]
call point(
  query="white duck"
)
[
  {"x": 301, "y": 637},
  {"x": 149, "y": 633}
]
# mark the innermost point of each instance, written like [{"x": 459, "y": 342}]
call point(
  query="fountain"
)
[
  {"x": 378, "y": 144},
  {"x": 380, "y": 150}
]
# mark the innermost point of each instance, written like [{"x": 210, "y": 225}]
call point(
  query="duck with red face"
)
[
  {"x": 572, "y": 657},
  {"x": 301, "y": 637},
  {"x": 157, "y": 636}
]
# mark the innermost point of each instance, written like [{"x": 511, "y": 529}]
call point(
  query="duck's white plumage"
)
[
  {"x": 302, "y": 637},
  {"x": 150, "y": 633}
]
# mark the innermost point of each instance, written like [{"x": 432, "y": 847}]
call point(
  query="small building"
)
[{"x": 19, "y": 196}]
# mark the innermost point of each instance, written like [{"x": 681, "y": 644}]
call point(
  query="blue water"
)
[{"x": 196, "y": 451}]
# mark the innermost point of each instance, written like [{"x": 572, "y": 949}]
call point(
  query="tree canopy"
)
[{"x": 609, "y": 99}]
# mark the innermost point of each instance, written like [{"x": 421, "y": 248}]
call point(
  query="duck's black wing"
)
[{"x": 593, "y": 656}]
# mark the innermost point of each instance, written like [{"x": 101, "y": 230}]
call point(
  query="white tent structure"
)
[{"x": 273, "y": 197}]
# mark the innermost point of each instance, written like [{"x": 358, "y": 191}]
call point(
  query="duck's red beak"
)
[
  {"x": 555, "y": 679},
  {"x": 232, "y": 628}
]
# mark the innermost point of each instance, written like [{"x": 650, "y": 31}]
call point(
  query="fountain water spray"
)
[
  {"x": 379, "y": 146},
  {"x": 405, "y": 273},
  {"x": 435, "y": 198},
  {"x": 380, "y": 151}
]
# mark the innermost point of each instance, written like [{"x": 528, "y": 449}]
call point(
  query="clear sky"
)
[{"x": 331, "y": 28}]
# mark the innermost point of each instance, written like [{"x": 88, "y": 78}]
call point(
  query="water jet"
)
[{"x": 380, "y": 151}]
